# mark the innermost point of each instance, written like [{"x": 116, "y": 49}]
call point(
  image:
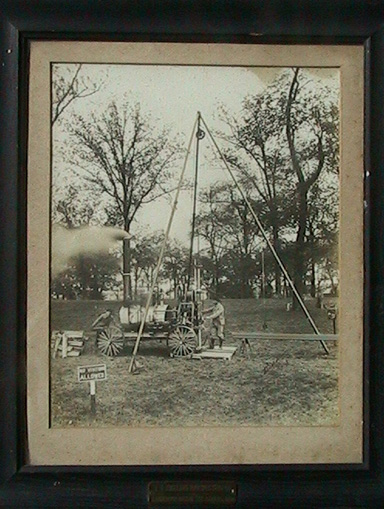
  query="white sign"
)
[{"x": 96, "y": 372}]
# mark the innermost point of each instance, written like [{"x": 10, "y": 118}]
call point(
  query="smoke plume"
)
[{"x": 69, "y": 243}]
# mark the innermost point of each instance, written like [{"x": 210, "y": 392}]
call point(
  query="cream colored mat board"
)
[{"x": 183, "y": 446}]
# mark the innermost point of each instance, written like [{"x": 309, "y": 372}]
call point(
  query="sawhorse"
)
[{"x": 245, "y": 346}]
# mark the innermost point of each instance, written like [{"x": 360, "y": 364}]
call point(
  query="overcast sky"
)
[{"x": 172, "y": 95}]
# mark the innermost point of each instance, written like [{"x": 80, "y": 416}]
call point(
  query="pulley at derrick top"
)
[{"x": 200, "y": 134}]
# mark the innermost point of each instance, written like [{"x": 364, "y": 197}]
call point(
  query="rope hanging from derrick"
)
[{"x": 200, "y": 134}]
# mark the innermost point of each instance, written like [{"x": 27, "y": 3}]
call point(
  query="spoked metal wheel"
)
[
  {"x": 110, "y": 340},
  {"x": 182, "y": 341}
]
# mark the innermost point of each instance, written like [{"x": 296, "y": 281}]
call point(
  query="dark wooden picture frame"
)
[{"x": 277, "y": 21}]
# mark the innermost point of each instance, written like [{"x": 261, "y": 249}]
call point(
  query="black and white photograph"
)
[{"x": 194, "y": 275}]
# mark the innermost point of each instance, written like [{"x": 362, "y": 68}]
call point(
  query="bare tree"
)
[
  {"x": 69, "y": 86},
  {"x": 71, "y": 208},
  {"x": 121, "y": 154}
]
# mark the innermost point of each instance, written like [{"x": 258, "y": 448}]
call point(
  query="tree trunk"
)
[
  {"x": 216, "y": 271},
  {"x": 175, "y": 283},
  {"x": 127, "y": 278},
  {"x": 299, "y": 272},
  {"x": 136, "y": 281},
  {"x": 313, "y": 279},
  {"x": 333, "y": 285},
  {"x": 277, "y": 266},
  {"x": 244, "y": 280}
]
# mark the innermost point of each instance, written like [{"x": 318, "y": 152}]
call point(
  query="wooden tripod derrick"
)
[{"x": 199, "y": 133}]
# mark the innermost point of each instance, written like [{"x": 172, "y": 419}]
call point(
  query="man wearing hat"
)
[{"x": 216, "y": 314}]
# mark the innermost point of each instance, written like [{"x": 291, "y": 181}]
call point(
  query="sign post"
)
[
  {"x": 91, "y": 374},
  {"x": 92, "y": 391}
]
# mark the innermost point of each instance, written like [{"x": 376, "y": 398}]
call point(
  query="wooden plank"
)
[
  {"x": 130, "y": 335},
  {"x": 76, "y": 334},
  {"x": 64, "y": 346},
  {"x": 212, "y": 355},
  {"x": 227, "y": 349},
  {"x": 296, "y": 338},
  {"x": 133, "y": 336},
  {"x": 69, "y": 348},
  {"x": 291, "y": 338},
  {"x": 285, "y": 336},
  {"x": 217, "y": 353},
  {"x": 57, "y": 344},
  {"x": 75, "y": 342},
  {"x": 73, "y": 353}
]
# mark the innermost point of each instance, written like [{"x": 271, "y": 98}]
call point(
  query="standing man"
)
[{"x": 216, "y": 314}]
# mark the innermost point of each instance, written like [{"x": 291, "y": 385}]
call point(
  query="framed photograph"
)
[
  {"x": 150, "y": 228},
  {"x": 193, "y": 264}
]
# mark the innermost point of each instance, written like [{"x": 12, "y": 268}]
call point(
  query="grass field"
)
[{"x": 279, "y": 383}]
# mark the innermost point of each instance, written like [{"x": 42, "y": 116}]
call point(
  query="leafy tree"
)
[
  {"x": 87, "y": 277},
  {"x": 210, "y": 226},
  {"x": 322, "y": 233},
  {"x": 311, "y": 126},
  {"x": 145, "y": 255},
  {"x": 255, "y": 152},
  {"x": 228, "y": 227},
  {"x": 285, "y": 142},
  {"x": 175, "y": 265}
]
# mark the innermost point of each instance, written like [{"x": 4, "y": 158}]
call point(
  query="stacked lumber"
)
[{"x": 67, "y": 343}]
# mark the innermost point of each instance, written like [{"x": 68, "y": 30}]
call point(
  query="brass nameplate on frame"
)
[{"x": 192, "y": 492}]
